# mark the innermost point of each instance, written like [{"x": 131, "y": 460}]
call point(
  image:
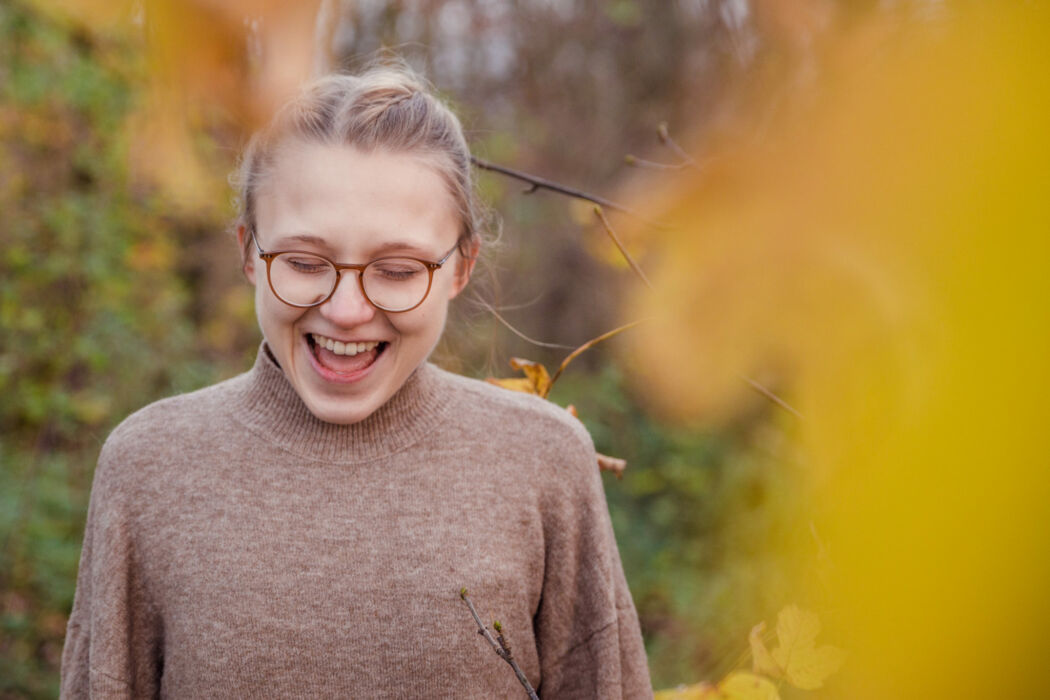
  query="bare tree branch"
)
[
  {"x": 636, "y": 162},
  {"x": 499, "y": 646},
  {"x": 586, "y": 346},
  {"x": 665, "y": 138},
  {"x": 492, "y": 310},
  {"x": 537, "y": 182},
  {"x": 771, "y": 396},
  {"x": 619, "y": 245}
]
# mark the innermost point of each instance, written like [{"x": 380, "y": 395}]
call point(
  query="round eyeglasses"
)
[{"x": 393, "y": 284}]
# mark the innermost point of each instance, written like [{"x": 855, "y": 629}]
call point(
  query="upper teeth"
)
[{"x": 341, "y": 348}]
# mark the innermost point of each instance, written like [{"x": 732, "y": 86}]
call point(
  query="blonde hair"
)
[{"x": 385, "y": 107}]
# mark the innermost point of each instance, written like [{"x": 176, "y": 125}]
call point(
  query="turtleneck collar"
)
[{"x": 269, "y": 407}]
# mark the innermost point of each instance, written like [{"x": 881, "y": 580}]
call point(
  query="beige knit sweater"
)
[{"x": 237, "y": 547}]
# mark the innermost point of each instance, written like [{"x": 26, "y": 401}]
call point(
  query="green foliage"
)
[
  {"x": 93, "y": 307},
  {"x": 43, "y": 499},
  {"x": 701, "y": 519},
  {"x": 87, "y": 281}
]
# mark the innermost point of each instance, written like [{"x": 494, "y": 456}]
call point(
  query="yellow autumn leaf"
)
[
  {"x": 535, "y": 372},
  {"x": 763, "y": 660},
  {"x": 804, "y": 665},
  {"x": 697, "y": 691},
  {"x": 738, "y": 685},
  {"x": 741, "y": 685},
  {"x": 536, "y": 380}
]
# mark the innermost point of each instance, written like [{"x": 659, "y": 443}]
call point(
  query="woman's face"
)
[{"x": 353, "y": 207}]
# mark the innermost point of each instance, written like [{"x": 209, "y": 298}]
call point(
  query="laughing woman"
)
[{"x": 304, "y": 529}]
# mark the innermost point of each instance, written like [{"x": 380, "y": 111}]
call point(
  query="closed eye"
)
[{"x": 306, "y": 266}]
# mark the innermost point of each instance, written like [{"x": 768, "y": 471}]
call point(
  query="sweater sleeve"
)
[
  {"x": 113, "y": 639},
  {"x": 587, "y": 632}
]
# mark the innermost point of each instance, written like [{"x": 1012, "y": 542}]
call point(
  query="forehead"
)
[{"x": 354, "y": 201}]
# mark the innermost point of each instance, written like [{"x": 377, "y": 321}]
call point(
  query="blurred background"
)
[{"x": 800, "y": 169}]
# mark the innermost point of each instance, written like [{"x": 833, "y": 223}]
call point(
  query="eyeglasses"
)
[{"x": 394, "y": 284}]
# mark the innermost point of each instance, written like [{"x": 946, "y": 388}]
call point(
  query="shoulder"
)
[
  {"x": 166, "y": 427},
  {"x": 488, "y": 404},
  {"x": 493, "y": 414}
]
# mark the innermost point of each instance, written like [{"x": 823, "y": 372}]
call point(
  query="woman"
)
[{"x": 304, "y": 529}]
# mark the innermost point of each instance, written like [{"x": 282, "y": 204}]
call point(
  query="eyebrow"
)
[
  {"x": 383, "y": 249},
  {"x": 302, "y": 238}
]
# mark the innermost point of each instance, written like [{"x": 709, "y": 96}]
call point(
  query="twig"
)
[
  {"x": 586, "y": 346},
  {"x": 636, "y": 162},
  {"x": 771, "y": 396},
  {"x": 619, "y": 245},
  {"x": 492, "y": 310},
  {"x": 501, "y": 647},
  {"x": 665, "y": 138},
  {"x": 537, "y": 182}
]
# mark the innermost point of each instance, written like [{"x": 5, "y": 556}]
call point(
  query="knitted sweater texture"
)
[{"x": 236, "y": 546}]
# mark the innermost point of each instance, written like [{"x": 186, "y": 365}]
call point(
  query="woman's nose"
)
[{"x": 348, "y": 306}]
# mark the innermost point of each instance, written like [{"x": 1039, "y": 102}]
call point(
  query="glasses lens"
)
[
  {"x": 301, "y": 279},
  {"x": 396, "y": 284}
]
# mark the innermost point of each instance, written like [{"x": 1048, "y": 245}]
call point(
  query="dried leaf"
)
[
  {"x": 535, "y": 372},
  {"x": 514, "y": 384},
  {"x": 536, "y": 380}
]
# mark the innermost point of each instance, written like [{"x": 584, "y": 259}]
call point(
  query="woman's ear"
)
[
  {"x": 464, "y": 268},
  {"x": 247, "y": 261}
]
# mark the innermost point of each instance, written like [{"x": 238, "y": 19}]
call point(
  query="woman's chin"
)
[{"x": 340, "y": 412}]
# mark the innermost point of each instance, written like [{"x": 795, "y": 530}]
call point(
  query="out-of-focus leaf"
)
[
  {"x": 763, "y": 660},
  {"x": 741, "y": 685},
  {"x": 803, "y": 664},
  {"x": 738, "y": 685},
  {"x": 699, "y": 691},
  {"x": 880, "y": 254}
]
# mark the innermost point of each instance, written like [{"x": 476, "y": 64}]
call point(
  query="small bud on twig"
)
[{"x": 501, "y": 647}]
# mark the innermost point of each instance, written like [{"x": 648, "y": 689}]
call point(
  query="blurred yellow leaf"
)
[
  {"x": 803, "y": 664},
  {"x": 738, "y": 685},
  {"x": 199, "y": 78},
  {"x": 880, "y": 251},
  {"x": 763, "y": 660},
  {"x": 741, "y": 685},
  {"x": 699, "y": 691}
]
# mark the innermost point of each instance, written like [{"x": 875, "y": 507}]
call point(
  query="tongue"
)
[{"x": 346, "y": 363}]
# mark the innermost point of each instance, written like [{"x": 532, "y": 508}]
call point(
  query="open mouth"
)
[{"x": 344, "y": 358}]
